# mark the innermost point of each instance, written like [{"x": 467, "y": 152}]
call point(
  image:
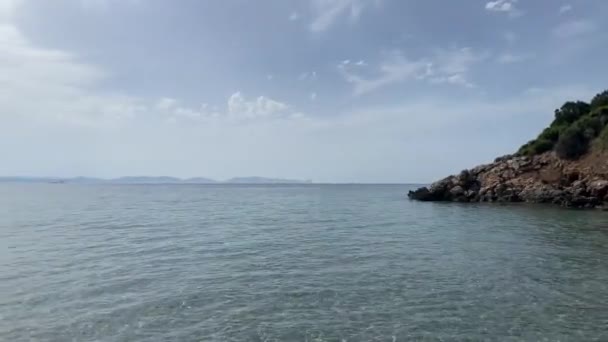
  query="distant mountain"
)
[
  {"x": 263, "y": 180},
  {"x": 84, "y": 180},
  {"x": 17, "y": 179},
  {"x": 199, "y": 180},
  {"x": 145, "y": 180},
  {"x": 151, "y": 180}
]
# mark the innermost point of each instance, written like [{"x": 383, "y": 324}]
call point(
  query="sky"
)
[{"x": 375, "y": 91}]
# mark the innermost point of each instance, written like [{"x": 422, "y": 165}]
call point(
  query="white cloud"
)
[
  {"x": 510, "y": 58},
  {"x": 166, "y": 103},
  {"x": 55, "y": 87},
  {"x": 445, "y": 66},
  {"x": 574, "y": 28},
  {"x": 456, "y": 79},
  {"x": 241, "y": 108},
  {"x": 61, "y": 85},
  {"x": 7, "y": 9},
  {"x": 294, "y": 16},
  {"x": 347, "y": 62},
  {"x": 238, "y": 109},
  {"x": 565, "y": 8},
  {"x": 308, "y": 76},
  {"x": 499, "y": 6},
  {"x": 457, "y": 61},
  {"x": 504, "y": 6},
  {"x": 326, "y": 12},
  {"x": 313, "y": 96},
  {"x": 394, "y": 69}
]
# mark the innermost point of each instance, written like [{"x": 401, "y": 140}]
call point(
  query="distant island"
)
[
  {"x": 151, "y": 180},
  {"x": 567, "y": 165}
]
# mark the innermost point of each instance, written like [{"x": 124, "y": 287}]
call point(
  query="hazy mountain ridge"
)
[{"x": 151, "y": 180}]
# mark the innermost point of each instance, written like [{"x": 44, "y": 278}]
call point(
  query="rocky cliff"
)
[
  {"x": 567, "y": 164},
  {"x": 543, "y": 178}
]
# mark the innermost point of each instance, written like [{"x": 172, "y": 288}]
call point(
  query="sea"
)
[{"x": 303, "y": 263}]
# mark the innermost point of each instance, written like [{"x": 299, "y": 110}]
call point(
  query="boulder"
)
[
  {"x": 598, "y": 188},
  {"x": 421, "y": 194},
  {"x": 457, "y": 191},
  {"x": 542, "y": 179}
]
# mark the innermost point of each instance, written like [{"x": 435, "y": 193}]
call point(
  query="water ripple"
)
[{"x": 293, "y": 263}]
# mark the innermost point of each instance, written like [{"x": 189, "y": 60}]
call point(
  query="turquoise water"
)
[{"x": 293, "y": 263}]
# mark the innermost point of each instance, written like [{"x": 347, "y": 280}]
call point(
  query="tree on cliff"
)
[
  {"x": 600, "y": 100},
  {"x": 575, "y": 126}
]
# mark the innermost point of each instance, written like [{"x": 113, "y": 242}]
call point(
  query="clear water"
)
[{"x": 293, "y": 263}]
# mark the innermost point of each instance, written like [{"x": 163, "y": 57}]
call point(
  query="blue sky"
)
[{"x": 329, "y": 90}]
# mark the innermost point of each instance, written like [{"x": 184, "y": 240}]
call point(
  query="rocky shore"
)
[{"x": 543, "y": 178}]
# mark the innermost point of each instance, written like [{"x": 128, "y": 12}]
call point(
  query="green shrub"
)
[
  {"x": 601, "y": 113},
  {"x": 572, "y": 143},
  {"x": 550, "y": 133},
  {"x": 575, "y": 126},
  {"x": 570, "y": 112},
  {"x": 600, "y": 100},
  {"x": 603, "y": 138},
  {"x": 542, "y": 146},
  {"x": 590, "y": 126},
  {"x": 525, "y": 149},
  {"x": 535, "y": 147}
]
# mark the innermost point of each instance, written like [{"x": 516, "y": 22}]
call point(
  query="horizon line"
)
[{"x": 207, "y": 181}]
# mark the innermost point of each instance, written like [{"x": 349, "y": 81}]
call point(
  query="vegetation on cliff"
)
[
  {"x": 575, "y": 127},
  {"x": 567, "y": 164}
]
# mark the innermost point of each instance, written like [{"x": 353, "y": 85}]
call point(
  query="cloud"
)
[
  {"x": 457, "y": 61},
  {"x": 62, "y": 86},
  {"x": 8, "y": 8},
  {"x": 456, "y": 79},
  {"x": 326, "y": 12},
  {"x": 574, "y": 28},
  {"x": 509, "y": 58},
  {"x": 66, "y": 91},
  {"x": 241, "y": 108},
  {"x": 565, "y": 8},
  {"x": 166, "y": 103},
  {"x": 500, "y": 6},
  {"x": 308, "y": 76},
  {"x": 504, "y": 6},
  {"x": 347, "y": 62},
  {"x": 445, "y": 66},
  {"x": 394, "y": 69},
  {"x": 238, "y": 109},
  {"x": 313, "y": 96},
  {"x": 294, "y": 16}
]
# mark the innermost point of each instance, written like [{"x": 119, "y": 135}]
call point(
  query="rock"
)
[
  {"x": 463, "y": 178},
  {"x": 470, "y": 194},
  {"x": 542, "y": 179},
  {"x": 598, "y": 188},
  {"x": 503, "y": 158},
  {"x": 457, "y": 191},
  {"x": 579, "y": 189},
  {"x": 421, "y": 194}
]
